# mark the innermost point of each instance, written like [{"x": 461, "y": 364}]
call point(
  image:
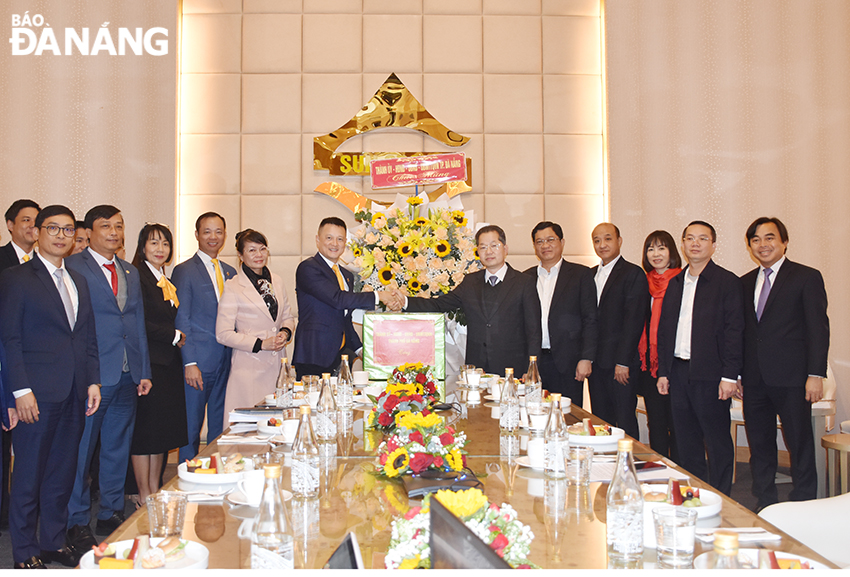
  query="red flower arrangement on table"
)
[
  {"x": 410, "y": 389},
  {"x": 421, "y": 442}
]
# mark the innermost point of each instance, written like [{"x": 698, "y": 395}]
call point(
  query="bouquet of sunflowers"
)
[
  {"x": 497, "y": 526},
  {"x": 410, "y": 389},
  {"x": 425, "y": 255},
  {"x": 421, "y": 442}
]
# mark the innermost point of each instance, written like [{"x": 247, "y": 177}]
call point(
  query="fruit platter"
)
[{"x": 214, "y": 470}]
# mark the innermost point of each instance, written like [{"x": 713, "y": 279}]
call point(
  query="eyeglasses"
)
[
  {"x": 494, "y": 246},
  {"x": 53, "y": 230},
  {"x": 545, "y": 241}
]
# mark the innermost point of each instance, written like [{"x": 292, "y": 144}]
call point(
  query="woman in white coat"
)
[{"x": 255, "y": 320}]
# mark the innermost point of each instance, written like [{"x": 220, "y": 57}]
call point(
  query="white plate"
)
[
  {"x": 524, "y": 462},
  {"x": 752, "y": 556},
  {"x": 491, "y": 398},
  {"x": 598, "y": 440},
  {"x": 362, "y": 400},
  {"x": 197, "y": 556},
  {"x": 210, "y": 479},
  {"x": 237, "y": 497},
  {"x": 711, "y": 501}
]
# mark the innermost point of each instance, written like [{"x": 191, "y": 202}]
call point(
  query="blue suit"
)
[
  {"x": 196, "y": 319},
  {"x": 324, "y": 313},
  {"x": 44, "y": 354},
  {"x": 6, "y": 401},
  {"x": 118, "y": 332}
]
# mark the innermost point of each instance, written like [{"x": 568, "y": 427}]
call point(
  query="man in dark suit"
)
[
  {"x": 8, "y": 413},
  {"x": 325, "y": 304},
  {"x": 786, "y": 341},
  {"x": 568, "y": 307},
  {"x": 501, "y": 306},
  {"x": 700, "y": 353},
  {"x": 20, "y": 220},
  {"x": 206, "y": 363},
  {"x": 51, "y": 367},
  {"x": 125, "y": 373},
  {"x": 622, "y": 297}
]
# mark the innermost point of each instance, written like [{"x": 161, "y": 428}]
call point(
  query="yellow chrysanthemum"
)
[
  {"x": 405, "y": 249},
  {"x": 414, "y": 201},
  {"x": 464, "y": 504},
  {"x": 422, "y": 221},
  {"x": 442, "y": 248},
  {"x": 455, "y": 460},
  {"x": 376, "y": 216},
  {"x": 385, "y": 275},
  {"x": 414, "y": 285},
  {"x": 459, "y": 218},
  {"x": 397, "y": 462},
  {"x": 409, "y": 563}
]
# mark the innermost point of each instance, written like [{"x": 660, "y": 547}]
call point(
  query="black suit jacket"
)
[
  {"x": 621, "y": 314},
  {"x": 791, "y": 341},
  {"x": 8, "y": 256},
  {"x": 572, "y": 316},
  {"x": 717, "y": 326},
  {"x": 503, "y": 336},
  {"x": 42, "y": 352},
  {"x": 159, "y": 319}
]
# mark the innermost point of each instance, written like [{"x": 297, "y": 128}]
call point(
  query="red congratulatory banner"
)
[
  {"x": 408, "y": 171},
  {"x": 399, "y": 342}
]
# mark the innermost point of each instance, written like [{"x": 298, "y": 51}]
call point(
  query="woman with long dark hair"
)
[
  {"x": 161, "y": 414},
  {"x": 661, "y": 262}
]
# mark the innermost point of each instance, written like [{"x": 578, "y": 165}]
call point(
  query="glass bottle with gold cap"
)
[
  {"x": 533, "y": 383},
  {"x": 283, "y": 390},
  {"x": 271, "y": 539},
  {"x": 305, "y": 458},
  {"x": 556, "y": 439},
  {"x": 725, "y": 554},
  {"x": 345, "y": 385},
  {"x": 509, "y": 404},
  {"x": 326, "y": 412},
  {"x": 624, "y": 520}
]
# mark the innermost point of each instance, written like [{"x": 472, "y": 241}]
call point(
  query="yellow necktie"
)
[
  {"x": 341, "y": 282},
  {"x": 26, "y": 258},
  {"x": 219, "y": 280},
  {"x": 169, "y": 291}
]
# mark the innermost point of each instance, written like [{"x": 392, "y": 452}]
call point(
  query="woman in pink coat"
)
[{"x": 255, "y": 320}]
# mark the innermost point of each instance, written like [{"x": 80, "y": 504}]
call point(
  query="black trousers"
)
[
  {"x": 556, "y": 382},
  {"x": 613, "y": 402},
  {"x": 702, "y": 423},
  {"x": 659, "y": 417},
  {"x": 762, "y": 404}
]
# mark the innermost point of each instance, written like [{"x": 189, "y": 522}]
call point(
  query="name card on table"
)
[{"x": 393, "y": 339}]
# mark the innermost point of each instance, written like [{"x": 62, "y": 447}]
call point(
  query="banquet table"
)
[{"x": 568, "y": 522}]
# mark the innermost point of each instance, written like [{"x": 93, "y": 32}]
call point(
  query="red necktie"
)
[{"x": 111, "y": 268}]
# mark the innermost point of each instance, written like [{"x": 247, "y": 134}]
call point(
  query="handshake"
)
[{"x": 393, "y": 299}]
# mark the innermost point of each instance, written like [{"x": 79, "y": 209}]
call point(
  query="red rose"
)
[
  {"x": 499, "y": 544},
  {"x": 494, "y": 529},
  {"x": 385, "y": 419},
  {"x": 450, "y": 430},
  {"x": 417, "y": 436},
  {"x": 402, "y": 380},
  {"x": 438, "y": 461},
  {"x": 418, "y": 398},
  {"x": 420, "y": 378},
  {"x": 392, "y": 445},
  {"x": 447, "y": 439},
  {"x": 391, "y": 403},
  {"x": 413, "y": 512},
  {"x": 420, "y": 461},
  {"x": 383, "y": 458}
]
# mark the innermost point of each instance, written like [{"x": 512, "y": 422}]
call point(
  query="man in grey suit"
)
[
  {"x": 501, "y": 306},
  {"x": 206, "y": 363},
  {"x": 125, "y": 373}
]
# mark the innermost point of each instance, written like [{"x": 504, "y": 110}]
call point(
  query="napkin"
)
[
  {"x": 242, "y": 440},
  {"x": 745, "y": 534},
  {"x": 603, "y": 471}
]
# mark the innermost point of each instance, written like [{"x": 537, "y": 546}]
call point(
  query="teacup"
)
[
  {"x": 251, "y": 486},
  {"x": 360, "y": 377}
]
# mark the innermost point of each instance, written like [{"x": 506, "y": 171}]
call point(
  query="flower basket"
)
[
  {"x": 421, "y": 442},
  {"x": 410, "y": 389}
]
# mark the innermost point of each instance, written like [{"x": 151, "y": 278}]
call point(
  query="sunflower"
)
[
  {"x": 385, "y": 275},
  {"x": 421, "y": 221},
  {"x": 414, "y": 285},
  {"x": 475, "y": 252},
  {"x": 397, "y": 462},
  {"x": 356, "y": 251},
  {"x": 405, "y": 249},
  {"x": 376, "y": 216},
  {"x": 454, "y": 460},
  {"x": 414, "y": 201},
  {"x": 442, "y": 248},
  {"x": 464, "y": 504},
  {"x": 410, "y": 563},
  {"x": 459, "y": 218}
]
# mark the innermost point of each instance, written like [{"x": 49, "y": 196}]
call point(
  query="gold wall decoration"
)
[{"x": 392, "y": 106}]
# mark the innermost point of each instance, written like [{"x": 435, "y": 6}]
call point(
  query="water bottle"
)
[
  {"x": 345, "y": 385},
  {"x": 533, "y": 383},
  {"x": 283, "y": 390},
  {"x": 509, "y": 404},
  {"x": 725, "y": 554},
  {"x": 557, "y": 441},
  {"x": 326, "y": 412},
  {"x": 305, "y": 458},
  {"x": 272, "y": 539},
  {"x": 625, "y": 508}
]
